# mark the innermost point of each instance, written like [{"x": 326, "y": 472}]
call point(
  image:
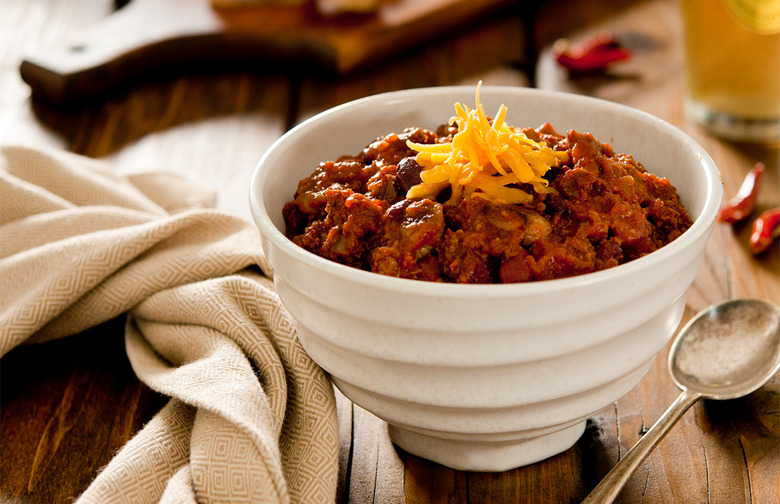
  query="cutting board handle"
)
[{"x": 143, "y": 36}]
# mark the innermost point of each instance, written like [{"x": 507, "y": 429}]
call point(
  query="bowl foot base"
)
[{"x": 486, "y": 456}]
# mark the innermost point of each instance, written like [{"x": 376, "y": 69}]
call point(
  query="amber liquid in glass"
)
[{"x": 733, "y": 67}]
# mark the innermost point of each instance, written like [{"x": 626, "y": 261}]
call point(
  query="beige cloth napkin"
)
[{"x": 251, "y": 417}]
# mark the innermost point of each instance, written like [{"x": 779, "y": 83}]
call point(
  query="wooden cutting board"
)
[{"x": 148, "y": 37}]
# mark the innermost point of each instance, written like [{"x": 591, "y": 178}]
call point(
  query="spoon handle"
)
[{"x": 613, "y": 482}]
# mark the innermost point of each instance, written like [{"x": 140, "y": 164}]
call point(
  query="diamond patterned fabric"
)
[{"x": 251, "y": 418}]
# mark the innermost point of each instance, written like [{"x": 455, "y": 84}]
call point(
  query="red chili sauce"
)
[{"x": 606, "y": 210}]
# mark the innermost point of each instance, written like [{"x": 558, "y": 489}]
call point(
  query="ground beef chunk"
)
[
  {"x": 391, "y": 149},
  {"x": 350, "y": 219},
  {"x": 411, "y": 231},
  {"x": 482, "y": 235}
]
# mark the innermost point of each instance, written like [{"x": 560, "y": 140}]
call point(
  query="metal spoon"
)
[{"x": 724, "y": 352}]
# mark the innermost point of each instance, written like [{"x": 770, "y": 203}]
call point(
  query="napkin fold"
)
[{"x": 251, "y": 418}]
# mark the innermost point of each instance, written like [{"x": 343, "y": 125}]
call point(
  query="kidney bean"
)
[
  {"x": 408, "y": 174},
  {"x": 398, "y": 210}
]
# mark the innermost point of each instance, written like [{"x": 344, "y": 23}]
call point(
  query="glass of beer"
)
[{"x": 733, "y": 67}]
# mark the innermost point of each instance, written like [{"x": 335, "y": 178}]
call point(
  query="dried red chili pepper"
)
[
  {"x": 742, "y": 205},
  {"x": 765, "y": 229},
  {"x": 591, "y": 54}
]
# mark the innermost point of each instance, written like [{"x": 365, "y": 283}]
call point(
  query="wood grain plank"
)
[
  {"x": 344, "y": 409},
  {"x": 494, "y": 51},
  {"x": 54, "y": 437},
  {"x": 556, "y": 479},
  {"x": 428, "y": 482},
  {"x": 148, "y": 37},
  {"x": 28, "y": 26},
  {"x": 209, "y": 128},
  {"x": 377, "y": 469}
]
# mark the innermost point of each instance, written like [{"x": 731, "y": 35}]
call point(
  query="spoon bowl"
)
[
  {"x": 729, "y": 350},
  {"x": 724, "y": 352}
]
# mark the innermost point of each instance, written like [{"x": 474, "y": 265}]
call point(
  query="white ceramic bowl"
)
[{"x": 485, "y": 377}]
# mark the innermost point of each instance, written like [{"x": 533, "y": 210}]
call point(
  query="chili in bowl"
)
[{"x": 498, "y": 364}]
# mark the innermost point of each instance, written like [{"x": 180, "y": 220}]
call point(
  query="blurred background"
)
[{"x": 129, "y": 85}]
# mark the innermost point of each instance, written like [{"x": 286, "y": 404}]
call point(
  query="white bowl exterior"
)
[{"x": 476, "y": 362}]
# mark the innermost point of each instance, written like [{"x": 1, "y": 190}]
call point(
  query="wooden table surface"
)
[{"x": 67, "y": 406}]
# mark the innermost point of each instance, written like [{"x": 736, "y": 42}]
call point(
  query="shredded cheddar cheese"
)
[{"x": 485, "y": 159}]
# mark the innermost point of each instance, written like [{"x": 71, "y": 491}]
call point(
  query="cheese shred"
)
[{"x": 485, "y": 159}]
